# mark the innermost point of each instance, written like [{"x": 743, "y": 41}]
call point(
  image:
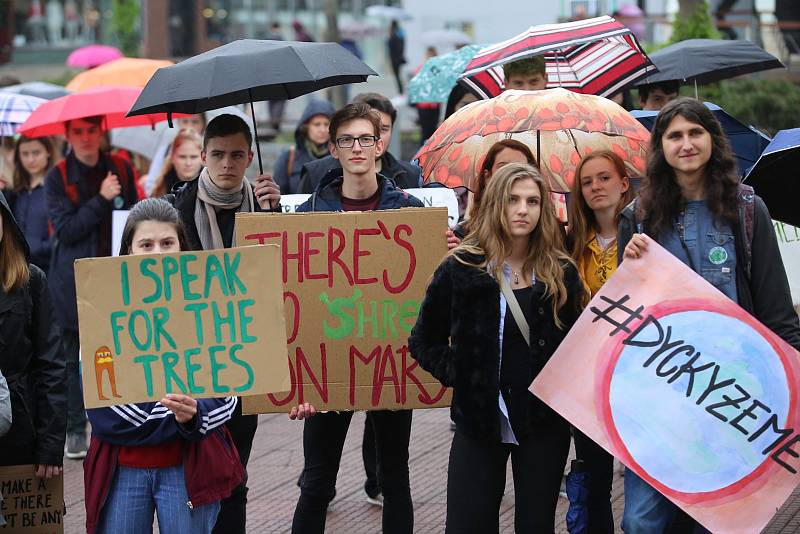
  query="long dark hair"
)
[
  {"x": 152, "y": 209},
  {"x": 484, "y": 174},
  {"x": 660, "y": 195},
  {"x": 22, "y": 178}
]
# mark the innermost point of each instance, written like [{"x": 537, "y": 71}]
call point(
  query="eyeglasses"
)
[{"x": 364, "y": 141}]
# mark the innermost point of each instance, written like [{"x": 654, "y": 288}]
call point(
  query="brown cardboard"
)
[
  {"x": 335, "y": 264},
  {"x": 31, "y": 505},
  {"x": 184, "y": 300}
]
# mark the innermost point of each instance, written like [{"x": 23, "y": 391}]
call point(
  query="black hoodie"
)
[{"x": 34, "y": 367}]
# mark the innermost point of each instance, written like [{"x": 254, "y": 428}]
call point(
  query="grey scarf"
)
[{"x": 209, "y": 199}]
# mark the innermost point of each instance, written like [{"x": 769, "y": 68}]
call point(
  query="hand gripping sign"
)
[
  {"x": 205, "y": 324},
  {"x": 685, "y": 388},
  {"x": 353, "y": 285}
]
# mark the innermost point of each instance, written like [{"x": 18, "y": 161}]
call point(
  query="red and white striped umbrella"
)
[{"x": 596, "y": 56}]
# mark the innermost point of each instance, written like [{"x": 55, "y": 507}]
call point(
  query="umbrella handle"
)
[{"x": 255, "y": 132}]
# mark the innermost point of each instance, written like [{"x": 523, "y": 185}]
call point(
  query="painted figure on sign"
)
[{"x": 104, "y": 362}]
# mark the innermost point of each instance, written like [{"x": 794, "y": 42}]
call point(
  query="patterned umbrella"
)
[
  {"x": 596, "y": 56},
  {"x": 15, "y": 110},
  {"x": 439, "y": 74},
  {"x": 560, "y": 127}
]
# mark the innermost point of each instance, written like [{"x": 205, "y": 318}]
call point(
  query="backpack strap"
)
[
  {"x": 746, "y": 206},
  {"x": 290, "y": 161},
  {"x": 69, "y": 188}
]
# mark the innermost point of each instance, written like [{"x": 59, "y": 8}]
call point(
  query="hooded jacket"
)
[
  {"x": 34, "y": 368},
  {"x": 404, "y": 175},
  {"x": 289, "y": 179},
  {"x": 328, "y": 196}
]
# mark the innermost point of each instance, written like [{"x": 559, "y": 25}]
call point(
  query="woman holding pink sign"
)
[{"x": 494, "y": 312}]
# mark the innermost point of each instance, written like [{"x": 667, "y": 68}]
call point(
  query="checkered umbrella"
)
[
  {"x": 14, "y": 110},
  {"x": 596, "y": 56}
]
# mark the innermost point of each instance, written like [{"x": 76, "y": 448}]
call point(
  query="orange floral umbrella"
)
[
  {"x": 558, "y": 125},
  {"x": 122, "y": 72}
]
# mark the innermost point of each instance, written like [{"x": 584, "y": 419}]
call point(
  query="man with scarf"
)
[
  {"x": 208, "y": 206},
  {"x": 81, "y": 192}
]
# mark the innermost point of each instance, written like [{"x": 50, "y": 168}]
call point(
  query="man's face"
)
[
  {"x": 84, "y": 137},
  {"x": 357, "y": 159},
  {"x": 532, "y": 81},
  {"x": 386, "y": 131},
  {"x": 226, "y": 159},
  {"x": 195, "y": 122},
  {"x": 657, "y": 99}
]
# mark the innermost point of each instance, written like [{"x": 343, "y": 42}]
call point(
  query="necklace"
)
[{"x": 516, "y": 276}]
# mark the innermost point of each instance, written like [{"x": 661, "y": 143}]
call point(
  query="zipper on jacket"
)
[{"x": 189, "y": 504}]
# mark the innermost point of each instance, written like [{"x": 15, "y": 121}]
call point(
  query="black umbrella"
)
[
  {"x": 774, "y": 176},
  {"x": 249, "y": 70},
  {"x": 709, "y": 60}
]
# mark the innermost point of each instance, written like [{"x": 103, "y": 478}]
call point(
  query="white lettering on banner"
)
[{"x": 789, "y": 245}]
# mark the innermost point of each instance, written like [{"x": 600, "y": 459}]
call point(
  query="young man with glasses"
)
[{"x": 356, "y": 186}]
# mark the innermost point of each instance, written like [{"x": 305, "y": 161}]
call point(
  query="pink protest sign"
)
[{"x": 685, "y": 388}]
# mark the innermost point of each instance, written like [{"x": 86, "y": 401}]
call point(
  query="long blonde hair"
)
[
  {"x": 14, "y": 270},
  {"x": 187, "y": 135},
  {"x": 490, "y": 235}
]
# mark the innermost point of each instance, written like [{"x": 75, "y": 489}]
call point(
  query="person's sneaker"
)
[
  {"x": 377, "y": 500},
  {"x": 76, "y": 446}
]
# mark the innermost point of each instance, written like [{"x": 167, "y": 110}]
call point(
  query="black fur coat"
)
[{"x": 456, "y": 339}]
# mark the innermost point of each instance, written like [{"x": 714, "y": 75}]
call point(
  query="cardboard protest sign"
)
[
  {"x": 31, "y": 505},
  {"x": 353, "y": 286},
  {"x": 433, "y": 197},
  {"x": 685, "y": 388},
  {"x": 789, "y": 243},
  {"x": 206, "y": 324}
]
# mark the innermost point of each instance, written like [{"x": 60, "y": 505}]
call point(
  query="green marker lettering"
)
[
  {"x": 115, "y": 329},
  {"x": 244, "y": 320},
  {"x": 144, "y": 268},
  {"x": 231, "y": 266},
  {"x": 372, "y": 318},
  {"x": 191, "y": 369},
  {"x": 146, "y": 360},
  {"x": 408, "y": 310},
  {"x": 336, "y": 307},
  {"x": 125, "y": 284},
  {"x": 187, "y": 278},
  {"x": 250, "y": 375},
  {"x": 220, "y": 320},
  {"x": 197, "y": 308},
  {"x": 214, "y": 271},
  {"x": 216, "y": 367},
  {"x": 169, "y": 360},
  {"x": 160, "y": 318},
  {"x": 170, "y": 267},
  {"x": 388, "y": 313},
  {"x": 147, "y": 326}
]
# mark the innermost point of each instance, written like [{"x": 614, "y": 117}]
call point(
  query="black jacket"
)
[
  {"x": 457, "y": 340},
  {"x": 34, "y": 367},
  {"x": 764, "y": 294},
  {"x": 328, "y": 196},
  {"x": 404, "y": 175}
]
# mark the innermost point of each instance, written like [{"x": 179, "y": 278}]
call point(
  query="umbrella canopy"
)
[
  {"x": 122, "y": 72},
  {"x": 87, "y": 57},
  {"x": 558, "y": 125},
  {"x": 388, "y": 12},
  {"x": 45, "y": 90},
  {"x": 774, "y": 176},
  {"x": 112, "y": 103},
  {"x": 15, "y": 110},
  {"x": 747, "y": 142},
  {"x": 709, "y": 60},
  {"x": 596, "y": 56},
  {"x": 439, "y": 75},
  {"x": 249, "y": 70}
]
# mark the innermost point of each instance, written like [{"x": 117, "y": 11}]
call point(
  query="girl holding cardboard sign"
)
[{"x": 494, "y": 312}]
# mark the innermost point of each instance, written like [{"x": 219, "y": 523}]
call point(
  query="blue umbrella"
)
[
  {"x": 774, "y": 176},
  {"x": 747, "y": 142},
  {"x": 439, "y": 75}
]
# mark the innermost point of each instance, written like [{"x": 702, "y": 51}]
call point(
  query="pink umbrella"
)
[{"x": 93, "y": 56}]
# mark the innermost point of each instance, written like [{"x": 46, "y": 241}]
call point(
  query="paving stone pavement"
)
[{"x": 277, "y": 459}]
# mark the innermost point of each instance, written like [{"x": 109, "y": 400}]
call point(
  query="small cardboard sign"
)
[
  {"x": 31, "y": 505},
  {"x": 353, "y": 286},
  {"x": 789, "y": 244},
  {"x": 687, "y": 389},
  {"x": 205, "y": 324}
]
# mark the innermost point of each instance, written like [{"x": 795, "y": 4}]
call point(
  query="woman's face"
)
[
  {"x": 33, "y": 156},
  {"x": 318, "y": 129},
  {"x": 468, "y": 98},
  {"x": 186, "y": 160},
  {"x": 506, "y": 156},
  {"x": 602, "y": 186},
  {"x": 687, "y": 146},
  {"x": 155, "y": 237},
  {"x": 523, "y": 207}
]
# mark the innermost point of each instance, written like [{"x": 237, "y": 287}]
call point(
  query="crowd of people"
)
[{"x": 513, "y": 283}]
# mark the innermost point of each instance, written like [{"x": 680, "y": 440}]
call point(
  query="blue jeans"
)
[
  {"x": 649, "y": 512},
  {"x": 136, "y": 493}
]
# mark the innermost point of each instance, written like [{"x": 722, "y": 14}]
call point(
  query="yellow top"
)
[{"x": 597, "y": 265}]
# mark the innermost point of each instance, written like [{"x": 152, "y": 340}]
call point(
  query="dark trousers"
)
[
  {"x": 232, "y": 518},
  {"x": 323, "y": 441},
  {"x": 476, "y": 479},
  {"x": 369, "y": 455},
  {"x": 428, "y": 122},
  {"x": 599, "y": 464},
  {"x": 397, "y": 69},
  {"x": 76, "y": 414}
]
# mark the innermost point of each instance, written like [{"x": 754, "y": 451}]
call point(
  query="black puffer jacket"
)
[
  {"x": 34, "y": 367},
  {"x": 457, "y": 340}
]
